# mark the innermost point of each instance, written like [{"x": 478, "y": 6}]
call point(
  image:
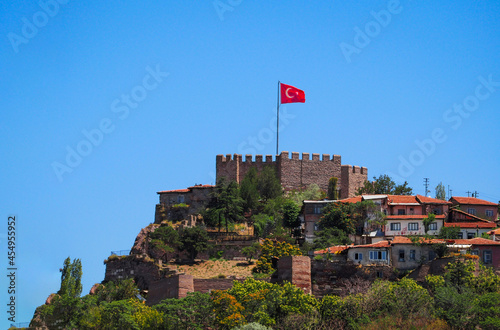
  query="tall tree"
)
[
  {"x": 291, "y": 213},
  {"x": 194, "y": 240},
  {"x": 440, "y": 191},
  {"x": 268, "y": 183},
  {"x": 332, "y": 188},
  {"x": 248, "y": 190},
  {"x": 226, "y": 205},
  {"x": 71, "y": 279}
]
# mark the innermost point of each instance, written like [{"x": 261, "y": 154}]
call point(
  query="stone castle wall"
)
[{"x": 296, "y": 172}]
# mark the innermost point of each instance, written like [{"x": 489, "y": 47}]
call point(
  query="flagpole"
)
[{"x": 278, "y": 120}]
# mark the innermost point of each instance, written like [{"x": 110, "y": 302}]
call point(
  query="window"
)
[
  {"x": 318, "y": 209},
  {"x": 489, "y": 213},
  {"x": 401, "y": 255},
  {"x": 487, "y": 257},
  {"x": 316, "y": 227},
  {"x": 471, "y": 235},
  {"x": 180, "y": 199},
  {"x": 401, "y": 212},
  {"x": 395, "y": 226},
  {"x": 411, "y": 210},
  {"x": 412, "y": 255},
  {"x": 432, "y": 255},
  {"x": 436, "y": 211},
  {"x": 433, "y": 226},
  {"x": 474, "y": 252},
  {"x": 471, "y": 210},
  {"x": 460, "y": 235},
  {"x": 413, "y": 226},
  {"x": 358, "y": 256},
  {"x": 378, "y": 255}
]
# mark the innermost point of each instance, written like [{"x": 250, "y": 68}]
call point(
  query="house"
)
[
  {"x": 187, "y": 202},
  {"x": 370, "y": 254},
  {"x": 404, "y": 253},
  {"x": 407, "y": 254},
  {"x": 472, "y": 229},
  {"x": 398, "y": 225},
  {"x": 488, "y": 250},
  {"x": 476, "y": 207}
]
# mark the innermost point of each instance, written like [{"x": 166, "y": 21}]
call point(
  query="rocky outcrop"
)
[{"x": 141, "y": 244}]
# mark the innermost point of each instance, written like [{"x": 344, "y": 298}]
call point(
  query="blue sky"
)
[{"x": 106, "y": 103}]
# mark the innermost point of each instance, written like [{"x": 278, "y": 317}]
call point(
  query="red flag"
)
[{"x": 290, "y": 94}]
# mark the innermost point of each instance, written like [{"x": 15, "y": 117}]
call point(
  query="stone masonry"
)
[{"x": 296, "y": 172}]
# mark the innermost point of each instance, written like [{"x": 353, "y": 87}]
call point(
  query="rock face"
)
[{"x": 141, "y": 244}]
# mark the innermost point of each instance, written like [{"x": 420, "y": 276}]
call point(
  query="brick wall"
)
[
  {"x": 296, "y": 172},
  {"x": 296, "y": 270},
  {"x": 176, "y": 286}
]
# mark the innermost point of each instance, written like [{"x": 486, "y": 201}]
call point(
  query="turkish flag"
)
[{"x": 290, "y": 94}]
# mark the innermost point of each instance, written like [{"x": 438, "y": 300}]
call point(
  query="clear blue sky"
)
[{"x": 148, "y": 93}]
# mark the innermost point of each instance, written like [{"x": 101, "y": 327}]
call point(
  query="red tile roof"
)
[
  {"x": 411, "y": 216},
  {"x": 374, "y": 245},
  {"x": 351, "y": 200},
  {"x": 333, "y": 249},
  {"x": 406, "y": 240},
  {"x": 201, "y": 186},
  {"x": 471, "y": 201},
  {"x": 494, "y": 232},
  {"x": 476, "y": 241},
  {"x": 470, "y": 224},
  {"x": 429, "y": 200},
  {"x": 173, "y": 191},
  {"x": 402, "y": 199}
]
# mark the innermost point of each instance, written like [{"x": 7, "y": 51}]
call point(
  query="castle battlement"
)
[{"x": 295, "y": 170}]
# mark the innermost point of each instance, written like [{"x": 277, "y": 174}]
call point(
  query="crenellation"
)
[{"x": 297, "y": 172}]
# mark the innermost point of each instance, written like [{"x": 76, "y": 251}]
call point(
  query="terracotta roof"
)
[
  {"x": 494, "y": 232},
  {"x": 411, "y": 216},
  {"x": 470, "y": 224},
  {"x": 468, "y": 215},
  {"x": 196, "y": 186},
  {"x": 472, "y": 201},
  {"x": 333, "y": 249},
  {"x": 374, "y": 245},
  {"x": 402, "y": 199},
  {"x": 406, "y": 240},
  {"x": 429, "y": 200},
  {"x": 351, "y": 200},
  {"x": 173, "y": 191},
  {"x": 476, "y": 241}
]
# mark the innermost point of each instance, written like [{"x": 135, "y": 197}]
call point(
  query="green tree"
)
[
  {"x": 165, "y": 238},
  {"x": 338, "y": 215},
  {"x": 332, "y": 188},
  {"x": 428, "y": 220},
  {"x": 226, "y": 205},
  {"x": 329, "y": 237},
  {"x": 71, "y": 278},
  {"x": 194, "y": 240},
  {"x": 268, "y": 184},
  {"x": 248, "y": 190},
  {"x": 116, "y": 290},
  {"x": 191, "y": 312},
  {"x": 291, "y": 213},
  {"x": 440, "y": 191},
  {"x": 311, "y": 193},
  {"x": 251, "y": 251},
  {"x": 384, "y": 185},
  {"x": 449, "y": 232}
]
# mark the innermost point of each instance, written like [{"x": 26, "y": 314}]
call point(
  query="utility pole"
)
[
  {"x": 468, "y": 193},
  {"x": 426, "y": 185},
  {"x": 474, "y": 194},
  {"x": 449, "y": 192}
]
